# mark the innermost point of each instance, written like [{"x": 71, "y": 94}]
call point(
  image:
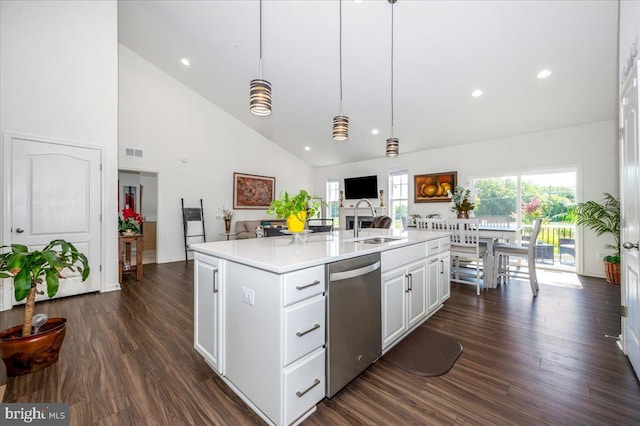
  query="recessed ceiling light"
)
[
  {"x": 307, "y": 148},
  {"x": 544, "y": 73},
  {"x": 476, "y": 93},
  {"x": 374, "y": 132},
  {"x": 185, "y": 62},
  {"x": 357, "y": 1}
]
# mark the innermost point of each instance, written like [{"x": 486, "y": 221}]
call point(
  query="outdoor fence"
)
[{"x": 556, "y": 243}]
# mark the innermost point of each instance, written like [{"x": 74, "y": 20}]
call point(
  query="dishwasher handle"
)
[{"x": 338, "y": 276}]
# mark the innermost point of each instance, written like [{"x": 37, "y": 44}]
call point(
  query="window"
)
[
  {"x": 398, "y": 196},
  {"x": 524, "y": 198},
  {"x": 333, "y": 201}
]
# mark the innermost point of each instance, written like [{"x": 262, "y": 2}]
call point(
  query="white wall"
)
[
  {"x": 195, "y": 147},
  {"x": 59, "y": 81},
  {"x": 591, "y": 148},
  {"x": 149, "y": 182}
]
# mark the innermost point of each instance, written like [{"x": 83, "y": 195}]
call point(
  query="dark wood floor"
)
[{"x": 128, "y": 359}]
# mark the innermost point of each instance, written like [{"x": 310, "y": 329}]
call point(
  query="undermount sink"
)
[{"x": 380, "y": 240}]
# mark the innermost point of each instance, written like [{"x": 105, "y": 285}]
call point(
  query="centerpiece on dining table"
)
[{"x": 462, "y": 201}]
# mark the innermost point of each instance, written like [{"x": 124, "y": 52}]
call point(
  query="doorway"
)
[
  {"x": 54, "y": 191},
  {"x": 138, "y": 190}
]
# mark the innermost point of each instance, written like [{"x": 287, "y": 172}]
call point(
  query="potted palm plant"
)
[
  {"x": 295, "y": 209},
  {"x": 603, "y": 218},
  {"x": 21, "y": 350}
]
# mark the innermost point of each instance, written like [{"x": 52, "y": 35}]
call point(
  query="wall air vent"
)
[{"x": 133, "y": 152}]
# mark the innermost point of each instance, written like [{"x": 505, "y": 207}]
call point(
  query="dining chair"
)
[
  {"x": 466, "y": 244},
  {"x": 495, "y": 221},
  {"x": 320, "y": 225},
  {"x": 383, "y": 222},
  {"x": 431, "y": 224},
  {"x": 503, "y": 251}
]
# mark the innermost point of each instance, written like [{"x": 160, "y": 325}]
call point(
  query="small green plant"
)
[
  {"x": 30, "y": 269},
  {"x": 288, "y": 205},
  {"x": 602, "y": 219}
]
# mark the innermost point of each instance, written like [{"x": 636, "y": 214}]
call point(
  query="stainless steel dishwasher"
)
[{"x": 354, "y": 331}]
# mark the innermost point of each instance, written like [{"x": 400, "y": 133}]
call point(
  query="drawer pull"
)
[
  {"x": 302, "y": 287},
  {"x": 302, "y": 333},
  {"x": 316, "y": 382}
]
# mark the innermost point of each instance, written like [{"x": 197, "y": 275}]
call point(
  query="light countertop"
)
[{"x": 280, "y": 255}]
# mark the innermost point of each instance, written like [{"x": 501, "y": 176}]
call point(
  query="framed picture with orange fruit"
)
[{"x": 433, "y": 188}]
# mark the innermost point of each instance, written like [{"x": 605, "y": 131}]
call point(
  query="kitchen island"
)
[{"x": 260, "y": 308}]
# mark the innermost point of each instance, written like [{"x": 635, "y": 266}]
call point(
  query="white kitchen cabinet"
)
[
  {"x": 394, "y": 306},
  {"x": 417, "y": 294},
  {"x": 444, "y": 283},
  {"x": 404, "y": 300},
  {"x": 208, "y": 317},
  {"x": 433, "y": 282},
  {"x": 275, "y": 338},
  {"x": 438, "y": 274}
]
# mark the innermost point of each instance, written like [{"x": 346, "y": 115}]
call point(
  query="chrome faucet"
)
[{"x": 356, "y": 224}]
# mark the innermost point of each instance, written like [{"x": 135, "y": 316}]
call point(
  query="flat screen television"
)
[{"x": 361, "y": 187}]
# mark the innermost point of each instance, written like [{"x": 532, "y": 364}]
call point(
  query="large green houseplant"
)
[
  {"x": 30, "y": 270},
  {"x": 603, "y": 218},
  {"x": 295, "y": 208}
]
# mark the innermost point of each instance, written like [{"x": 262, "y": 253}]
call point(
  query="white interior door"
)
[
  {"x": 630, "y": 232},
  {"x": 56, "y": 193}
]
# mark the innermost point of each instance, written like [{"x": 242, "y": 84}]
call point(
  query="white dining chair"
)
[
  {"x": 466, "y": 245},
  {"x": 503, "y": 251},
  {"x": 431, "y": 224}
]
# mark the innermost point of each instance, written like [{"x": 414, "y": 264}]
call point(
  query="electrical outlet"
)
[
  {"x": 248, "y": 296},
  {"x": 599, "y": 255}
]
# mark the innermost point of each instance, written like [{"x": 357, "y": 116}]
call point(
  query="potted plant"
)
[
  {"x": 462, "y": 200},
  {"x": 22, "y": 351},
  {"x": 603, "y": 219},
  {"x": 129, "y": 222},
  {"x": 295, "y": 209}
]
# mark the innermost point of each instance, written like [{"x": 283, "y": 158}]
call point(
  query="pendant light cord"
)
[
  {"x": 260, "y": 63},
  {"x": 392, "y": 70},
  {"x": 340, "y": 57}
]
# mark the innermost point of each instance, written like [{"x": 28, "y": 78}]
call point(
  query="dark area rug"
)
[{"x": 425, "y": 352}]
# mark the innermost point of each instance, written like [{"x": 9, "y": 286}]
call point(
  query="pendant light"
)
[
  {"x": 340, "y": 122},
  {"x": 260, "y": 90},
  {"x": 392, "y": 143}
]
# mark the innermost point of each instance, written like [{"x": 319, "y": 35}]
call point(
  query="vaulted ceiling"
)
[{"x": 443, "y": 50}]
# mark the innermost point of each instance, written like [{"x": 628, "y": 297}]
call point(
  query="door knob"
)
[
  {"x": 630, "y": 246},
  {"x": 19, "y": 230}
]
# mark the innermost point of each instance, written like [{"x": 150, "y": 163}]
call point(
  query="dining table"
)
[{"x": 490, "y": 235}]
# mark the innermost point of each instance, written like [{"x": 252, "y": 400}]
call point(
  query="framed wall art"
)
[
  {"x": 252, "y": 191},
  {"x": 433, "y": 187}
]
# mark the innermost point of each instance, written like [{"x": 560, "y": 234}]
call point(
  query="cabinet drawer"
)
[
  {"x": 445, "y": 244},
  {"x": 304, "y": 386},
  {"x": 300, "y": 285},
  {"x": 433, "y": 247},
  {"x": 304, "y": 328},
  {"x": 401, "y": 256}
]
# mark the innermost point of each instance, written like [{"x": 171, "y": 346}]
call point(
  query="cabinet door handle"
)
[
  {"x": 408, "y": 289},
  {"x": 302, "y": 333},
  {"x": 302, "y": 287},
  {"x": 316, "y": 382},
  {"x": 441, "y": 266},
  {"x": 410, "y": 282},
  {"x": 215, "y": 280}
]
